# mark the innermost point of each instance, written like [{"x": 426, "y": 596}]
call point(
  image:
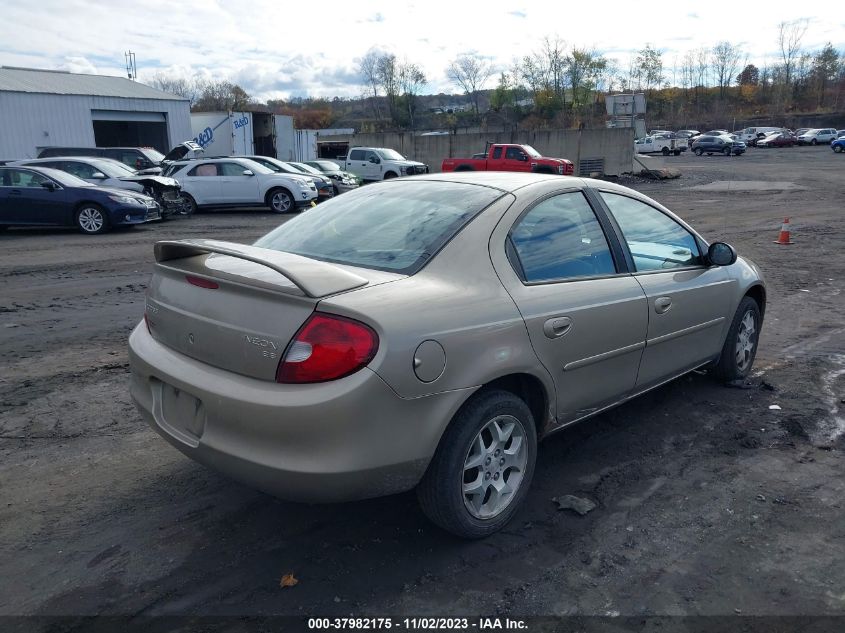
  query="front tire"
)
[
  {"x": 280, "y": 200},
  {"x": 727, "y": 151},
  {"x": 92, "y": 219},
  {"x": 814, "y": 142},
  {"x": 740, "y": 345},
  {"x": 189, "y": 205},
  {"x": 837, "y": 149},
  {"x": 665, "y": 151},
  {"x": 483, "y": 466},
  {"x": 698, "y": 151},
  {"x": 389, "y": 175}
]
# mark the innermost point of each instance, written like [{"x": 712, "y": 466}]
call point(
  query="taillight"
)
[
  {"x": 202, "y": 282},
  {"x": 327, "y": 347}
]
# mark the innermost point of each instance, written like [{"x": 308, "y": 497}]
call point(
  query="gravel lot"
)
[{"x": 708, "y": 502}]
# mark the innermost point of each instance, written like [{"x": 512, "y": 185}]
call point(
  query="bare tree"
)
[
  {"x": 190, "y": 89},
  {"x": 411, "y": 79},
  {"x": 725, "y": 61},
  {"x": 790, "y": 35},
  {"x": 221, "y": 96},
  {"x": 388, "y": 77},
  {"x": 470, "y": 72},
  {"x": 368, "y": 67}
]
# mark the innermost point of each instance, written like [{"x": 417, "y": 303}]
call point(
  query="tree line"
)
[{"x": 560, "y": 85}]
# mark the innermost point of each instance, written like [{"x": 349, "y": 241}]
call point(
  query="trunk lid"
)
[{"x": 237, "y": 307}]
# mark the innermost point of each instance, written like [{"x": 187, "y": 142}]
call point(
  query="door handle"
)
[
  {"x": 557, "y": 327},
  {"x": 15, "y": 192},
  {"x": 662, "y": 304}
]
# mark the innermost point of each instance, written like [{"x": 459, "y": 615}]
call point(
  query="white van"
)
[{"x": 753, "y": 133}]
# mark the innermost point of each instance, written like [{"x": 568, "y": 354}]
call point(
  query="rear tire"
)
[
  {"x": 483, "y": 466},
  {"x": 740, "y": 347},
  {"x": 92, "y": 219},
  {"x": 280, "y": 200},
  {"x": 677, "y": 152}
]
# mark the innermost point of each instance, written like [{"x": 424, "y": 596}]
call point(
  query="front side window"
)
[
  {"x": 561, "y": 239},
  {"x": 656, "y": 241},
  {"x": 231, "y": 169},
  {"x": 514, "y": 153},
  {"x": 21, "y": 178},
  {"x": 80, "y": 170}
]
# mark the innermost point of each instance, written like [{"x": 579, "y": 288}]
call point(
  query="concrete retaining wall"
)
[{"x": 614, "y": 146}]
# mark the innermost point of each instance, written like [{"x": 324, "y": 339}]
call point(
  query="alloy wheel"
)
[
  {"x": 91, "y": 220},
  {"x": 494, "y": 467},
  {"x": 746, "y": 340},
  {"x": 281, "y": 202}
]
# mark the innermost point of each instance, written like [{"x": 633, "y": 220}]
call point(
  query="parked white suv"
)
[
  {"x": 238, "y": 182},
  {"x": 380, "y": 163},
  {"x": 817, "y": 135}
]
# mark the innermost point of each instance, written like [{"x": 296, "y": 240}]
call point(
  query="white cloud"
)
[{"x": 278, "y": 49}]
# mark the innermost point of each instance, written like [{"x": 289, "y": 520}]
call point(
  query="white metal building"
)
[{"x": 48, "y": 108}]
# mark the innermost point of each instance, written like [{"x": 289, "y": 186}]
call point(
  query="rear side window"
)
[
  {"x": 395, "y": 226},
  {"x": 356, "y": 154},
  {"x": 656, "y": 241},
  {"x": 497, "y": 152},
  {"x": 561, "y": 239}
]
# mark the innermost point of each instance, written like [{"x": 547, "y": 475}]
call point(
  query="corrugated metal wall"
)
[{"x": 34, "y": 121}]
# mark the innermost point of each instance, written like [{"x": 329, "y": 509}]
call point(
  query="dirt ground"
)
[{"x": 708, "y": 502}]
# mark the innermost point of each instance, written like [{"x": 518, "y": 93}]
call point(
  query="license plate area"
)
[{"x": 178, "y": 412}]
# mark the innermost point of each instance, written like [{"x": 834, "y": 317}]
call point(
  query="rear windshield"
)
[{"x": 396, "y": 227}]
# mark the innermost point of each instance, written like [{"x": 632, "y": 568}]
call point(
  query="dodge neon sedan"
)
[{"x": 426, "y": 332}]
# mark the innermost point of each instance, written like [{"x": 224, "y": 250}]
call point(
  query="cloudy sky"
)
[{"x": 276, "y": 49}]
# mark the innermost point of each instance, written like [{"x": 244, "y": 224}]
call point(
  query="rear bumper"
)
[{"x": 348, "y": 439}]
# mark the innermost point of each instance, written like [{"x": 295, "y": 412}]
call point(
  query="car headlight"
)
[{"x": 125, "y": 199}]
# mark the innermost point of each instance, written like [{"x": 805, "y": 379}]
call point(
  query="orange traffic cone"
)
[{"x": 783, "y": 238}]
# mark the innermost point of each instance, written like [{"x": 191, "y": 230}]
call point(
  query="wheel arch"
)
[
  {"x": 528, "y": 387},
  {"x": 758, "y": 293}
]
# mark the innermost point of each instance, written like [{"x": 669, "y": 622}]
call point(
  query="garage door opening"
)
[{"x": 131, "y": 134}]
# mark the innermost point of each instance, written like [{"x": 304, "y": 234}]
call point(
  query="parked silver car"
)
[{"x": 426, "y": 332}]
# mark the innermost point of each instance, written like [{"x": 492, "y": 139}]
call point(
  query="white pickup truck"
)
[
  {"x": 663, "y": 143},
  {"x": 379, "y": 163}
]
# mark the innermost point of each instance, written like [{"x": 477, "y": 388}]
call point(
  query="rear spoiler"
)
[{"x": 314, "y": 278}]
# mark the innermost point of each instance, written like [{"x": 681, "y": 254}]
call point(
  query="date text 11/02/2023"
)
[{"x": 413, "y": 624}]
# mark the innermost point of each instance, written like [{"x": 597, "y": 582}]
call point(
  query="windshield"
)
[
  {"x": 308, "y": 169},
  {"x": 390, "y": 154},
  {"x": 255, "y": 167},
  {"x": 395, "y": 226},
  {"x": 112, "y": 169},
  {"x": 533, "y": 153},
  {"x": 154, "y": 155},
  {"x": 327, "y": 165}
]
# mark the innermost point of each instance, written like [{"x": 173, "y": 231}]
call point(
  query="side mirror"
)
[
  {"x": 49, "y": 185},
  {"x": 375, "y": 160},
  {"x": 248, "y": 172},
  {"x": 721, "y": 254},
  {"x": 523, "y": 158},
  {"x": 98, "y": 175}
]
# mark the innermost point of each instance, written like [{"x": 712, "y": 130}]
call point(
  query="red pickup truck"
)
[{"x": 505, "y": 157}]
